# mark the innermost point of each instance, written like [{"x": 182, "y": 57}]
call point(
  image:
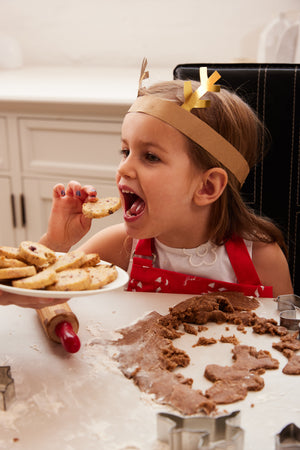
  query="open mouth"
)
[{"x": 134, "y": 205}]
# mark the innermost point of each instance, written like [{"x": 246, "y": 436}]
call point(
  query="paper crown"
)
[{"x": 190, "y": 125}]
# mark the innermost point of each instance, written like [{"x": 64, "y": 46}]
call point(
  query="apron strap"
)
[
  {"x": 143, "y": 253},
  {"x": 241, "y": 261}
]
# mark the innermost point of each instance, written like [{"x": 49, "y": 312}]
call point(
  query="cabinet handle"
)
[
  {"x": 13, "y": 210},
  {"x": 23, "y": 210}
]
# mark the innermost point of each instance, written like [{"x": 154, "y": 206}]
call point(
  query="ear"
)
[{"x": 211, "y": 186}]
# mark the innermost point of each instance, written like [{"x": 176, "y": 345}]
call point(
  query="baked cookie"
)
[
  {"x": 90, "y": 260},
  {"x": 36, "y": 254},
  {"x": 9, "y": 252},
  {"x": 9, "y": 262},
  {"x": 17, "y": 272},
  {"x": 71, "y": 260},
  {"x": 71, "y": 280},
  {"x": 101, "y": 208},
  {"x": 38, "y": 281},
  {"x": 101, "y": 275}
]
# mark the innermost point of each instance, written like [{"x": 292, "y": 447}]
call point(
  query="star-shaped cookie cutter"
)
[
  {"x": 200, "y": 432},
  {"x": 288, "y": 438},
  {"x": 289, "y": 307},
  {"x": 7, "y": 387}
]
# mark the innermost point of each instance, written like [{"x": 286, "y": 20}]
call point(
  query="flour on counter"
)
[
  {"x": 48, "y": 404},
  {"x": 35, "y": 347},
  {"x": 16, "y": 411}
]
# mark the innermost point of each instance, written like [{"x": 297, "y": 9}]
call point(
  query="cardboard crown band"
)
[{"x": 196, "y": 129}]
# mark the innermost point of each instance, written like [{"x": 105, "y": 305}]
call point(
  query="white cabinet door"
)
[
  {"x": 38, "y": 200},
  {"x": 70, "y": 148},
  {"x": 7, "y": 225},
  {"x": 4, "y": 163}
]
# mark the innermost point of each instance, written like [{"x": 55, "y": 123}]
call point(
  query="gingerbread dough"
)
[{"x": 148, "y": 357}]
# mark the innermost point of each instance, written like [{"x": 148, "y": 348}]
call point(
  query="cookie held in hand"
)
[{"x": 101, "y": 208}]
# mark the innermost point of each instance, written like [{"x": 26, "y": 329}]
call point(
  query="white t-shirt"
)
[{"x": 207, "y": 261}]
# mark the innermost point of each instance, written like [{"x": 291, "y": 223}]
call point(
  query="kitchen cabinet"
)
[
  {"x": 8, "y": 201},
  {"x": 7, "y": 228}
]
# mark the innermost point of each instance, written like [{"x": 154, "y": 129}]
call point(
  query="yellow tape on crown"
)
[{"x": 193, "y": 99}]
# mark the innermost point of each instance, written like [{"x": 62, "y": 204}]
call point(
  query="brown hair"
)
[{"x": 232, "y": 118}]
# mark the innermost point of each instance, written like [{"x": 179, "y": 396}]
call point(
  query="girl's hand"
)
[
  {"x": 67, "y": 225},
  {"x": 28, "y": 302}
]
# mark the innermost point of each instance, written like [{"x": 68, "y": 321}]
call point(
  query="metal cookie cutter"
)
[
  {"x": 289, "y": 307},
  {"x": 7, "y": 387},
  {"x": 200, "y": 432},
  {"x": 288, "y": 438}
]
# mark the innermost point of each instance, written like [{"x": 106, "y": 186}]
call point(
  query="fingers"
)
[
  {"x": 90, "y": 193},
  {"x": 4, "y": 300},
  {"x": 75, "y": 190},
  {"x": 59, "y": 190}
]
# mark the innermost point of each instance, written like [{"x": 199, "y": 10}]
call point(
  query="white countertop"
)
[
  {"x": 81, "y": 400},
  {"x": 71, "y": 84}
]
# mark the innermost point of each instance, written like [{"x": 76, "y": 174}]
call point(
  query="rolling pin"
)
[{"x": 60, "y": 325}]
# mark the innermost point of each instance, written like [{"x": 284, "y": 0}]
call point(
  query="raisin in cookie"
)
[
  {"x": 36, "y": 254},
  {"x": 101, "y": 208},
  {"x": 38, "y": 281}
]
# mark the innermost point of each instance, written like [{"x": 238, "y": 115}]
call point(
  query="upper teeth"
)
[{"x": 127, "y": 192}]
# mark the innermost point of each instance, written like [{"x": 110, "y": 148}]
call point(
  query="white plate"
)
[{"x": 120, "y": 281}]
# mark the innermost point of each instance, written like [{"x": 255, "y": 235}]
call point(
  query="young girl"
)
[{"x": 186, "y": 151}]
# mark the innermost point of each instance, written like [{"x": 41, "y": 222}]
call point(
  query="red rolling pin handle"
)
[
  {"x": 61, "y": 325},
  {"x": 69, "y": 339}
]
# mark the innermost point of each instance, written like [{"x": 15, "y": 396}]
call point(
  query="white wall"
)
[{"x": 121, "y": 32}]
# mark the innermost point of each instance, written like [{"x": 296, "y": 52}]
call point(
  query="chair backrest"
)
[{"x": 273, "y": 186}]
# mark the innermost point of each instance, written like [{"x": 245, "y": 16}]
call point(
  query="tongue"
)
[{"x": 137, "y": 207}]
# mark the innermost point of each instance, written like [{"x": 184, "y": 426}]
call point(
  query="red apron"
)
[{"x": 146, "y": 278}]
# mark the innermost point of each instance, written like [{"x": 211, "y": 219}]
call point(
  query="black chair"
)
[{"x": 273, "y": 186}]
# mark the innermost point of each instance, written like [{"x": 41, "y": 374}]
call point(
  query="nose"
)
[{"x": 127, "y": 168}]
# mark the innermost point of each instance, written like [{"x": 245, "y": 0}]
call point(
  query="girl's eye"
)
[
  {"x": 124, "y": 152},
  {"x": 151, "y": 157},
  {"x": 147, "y": 156}
]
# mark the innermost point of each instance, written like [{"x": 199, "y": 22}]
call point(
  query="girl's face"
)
[{"x": 156, "y": 181}]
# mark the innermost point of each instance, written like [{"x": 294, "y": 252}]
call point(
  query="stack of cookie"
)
[{"x": 34, "y": 266}]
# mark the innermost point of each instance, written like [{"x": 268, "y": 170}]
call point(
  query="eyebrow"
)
[{"x": 146, "y": 144}]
